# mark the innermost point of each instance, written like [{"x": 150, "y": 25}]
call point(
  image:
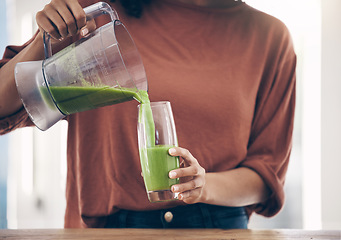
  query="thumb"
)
[{"x": 88, "y": 28}]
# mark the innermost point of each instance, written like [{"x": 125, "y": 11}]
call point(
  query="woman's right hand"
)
[{"x": 64, "y": 18}]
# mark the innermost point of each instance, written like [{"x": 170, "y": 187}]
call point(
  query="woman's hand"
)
[
  {"x": 191, "y": 174},
  {"x": 64, "y": 18}
]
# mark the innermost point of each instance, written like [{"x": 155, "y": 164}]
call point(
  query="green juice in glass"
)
[
  {"x": 155, "y": 159},
  {"x": 156, "y": 164}
]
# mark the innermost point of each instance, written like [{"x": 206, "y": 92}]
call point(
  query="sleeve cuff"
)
[
  {"x": 14, "y": 121},
  {"x": 275, "y": 201}
]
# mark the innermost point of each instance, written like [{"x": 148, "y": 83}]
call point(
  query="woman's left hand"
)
[{"x": 191, "y": 174}]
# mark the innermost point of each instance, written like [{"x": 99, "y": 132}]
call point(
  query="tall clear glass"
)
[{"x": 157, "y": 134}]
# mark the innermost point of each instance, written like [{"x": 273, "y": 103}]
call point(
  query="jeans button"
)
[{"x": 168, "y": 216}]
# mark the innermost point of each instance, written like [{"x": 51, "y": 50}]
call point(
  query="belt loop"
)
[{"x": 206, "y": 215}]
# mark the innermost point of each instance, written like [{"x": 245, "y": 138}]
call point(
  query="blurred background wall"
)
[
  {"x": 331, "y": 114},
  {"x": 33, "y": 163},
  {"x": 3, "y": 139}
]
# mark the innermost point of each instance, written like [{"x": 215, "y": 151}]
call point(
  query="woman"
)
[{"x": 228, "y": 71}]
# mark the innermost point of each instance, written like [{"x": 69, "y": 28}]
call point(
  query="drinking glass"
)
[{"x": 156, "y": 135}]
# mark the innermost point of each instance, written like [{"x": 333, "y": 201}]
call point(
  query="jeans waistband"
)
[{"x": 188, "y": 216}]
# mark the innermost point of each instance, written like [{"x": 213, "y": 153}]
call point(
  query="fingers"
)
[
  {"x": 188, "y": 186},
  {"x": 190, "y": 197},
  {"x": 63, "y": 18},
  {"x": 89, "y": 27},
  {"x": 190, "y": 190},
  {"x": 67, "y": 23},
  {"x": 182, "y": 152},
  {"x": 193, "y": 169},
  {"x": 47, "y": 25},
  {"x": 78, "y": 14}
]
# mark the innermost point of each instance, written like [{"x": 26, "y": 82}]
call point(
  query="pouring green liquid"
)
[{"x": 155, "y": 160}]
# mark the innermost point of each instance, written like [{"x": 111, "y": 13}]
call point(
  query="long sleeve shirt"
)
[{"x": 230, "y": 77}]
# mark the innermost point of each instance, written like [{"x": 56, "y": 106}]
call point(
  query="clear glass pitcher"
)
[{"x": 103, "y": 68}]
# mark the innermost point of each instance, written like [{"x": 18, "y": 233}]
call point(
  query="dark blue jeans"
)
[{"x": 190, "y": 216}]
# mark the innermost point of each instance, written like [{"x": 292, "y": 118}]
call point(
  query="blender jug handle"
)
[{"x": 91, "y": 12}]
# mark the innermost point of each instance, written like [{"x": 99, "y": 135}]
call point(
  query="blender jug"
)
[{"x": 101, "y": 69}]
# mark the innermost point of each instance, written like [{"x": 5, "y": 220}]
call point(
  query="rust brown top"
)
[{"x": 230, "y": 77}]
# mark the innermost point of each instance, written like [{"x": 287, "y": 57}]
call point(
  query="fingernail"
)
[
  {"x": 172, "y": 174},
  {"x": 61, "y": 39},
  {"x": 85, "y": 31},
  {"x": 171, "y": 151},
  {"x": 180, "y": 197},
  {"x": 175, "y": 188}
]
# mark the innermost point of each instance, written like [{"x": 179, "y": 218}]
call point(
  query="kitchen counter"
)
[{"x": 152, "y": 234}]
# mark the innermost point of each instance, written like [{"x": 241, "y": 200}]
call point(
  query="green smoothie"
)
[
  {"x": 72, "y": 99},
  {"x": 156, "y": 164}
]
